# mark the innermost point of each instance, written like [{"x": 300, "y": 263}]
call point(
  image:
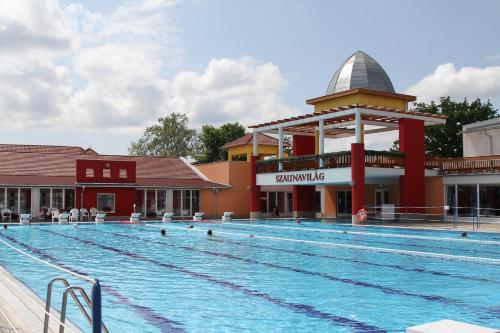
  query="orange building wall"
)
[
  {"x": 234, "y": 199},
  {"x": 434, "y": 194}
]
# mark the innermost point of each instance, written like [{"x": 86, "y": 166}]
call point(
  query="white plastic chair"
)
[
  {"x": 24, "y": 218},
  {"x": 99, "y": 218},
  {"x": 93, "y": 212},
  {"x": 198, "y": 216},
  {"x": 84, "y": 214},
  {"x": 227, "y": 216},
  {"x": 167, "y": 217},
  {"x": 63, "y": 218},
  {"x": 6, "y": 214},
  {"x": 134, "y": 217},
  {"x": 73, "y": 214},
  {"x": 54, "y": 212}
]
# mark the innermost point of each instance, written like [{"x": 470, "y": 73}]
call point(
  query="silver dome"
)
[{"x": 360, "y": 71}]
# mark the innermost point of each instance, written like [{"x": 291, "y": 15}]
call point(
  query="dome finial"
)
[{"x": 360, "y": 71}]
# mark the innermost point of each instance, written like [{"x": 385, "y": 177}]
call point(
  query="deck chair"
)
[
  {"x": 54, "y": 212},
  {"x": 227, "y": 216},
  {"x": 134, "y": 217},
  {"x": 24, "y": 218},
  {"x": 84, "y": 214},
  {"x": 93, "y": 213},
  {"x": 63, "y": 218},
  {"x": 198, "y": 216},
  {"x": 6, "y": 215},
  {"x": 99, "y": 218},
  {"x": 167, "y": 217},
  {"x": 74, "y": 214}
]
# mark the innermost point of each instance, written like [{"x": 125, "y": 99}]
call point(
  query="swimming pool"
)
[{"x": 267, "y": 276}]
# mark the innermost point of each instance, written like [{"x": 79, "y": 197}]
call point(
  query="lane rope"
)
[{"x": 355, "y": 247}]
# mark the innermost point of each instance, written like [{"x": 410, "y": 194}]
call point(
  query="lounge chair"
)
[
  {"x": 227, "y": 216},
  {"x": 24, "y": 218},
  {"x": 74, "y": 215},
  {"x": 99, "y": 218},
  {"x": 6, "y": 215},
  {"x": 198, "y": 216},
  {"x": 54, "y": 212},
  {"x": 84, "y": 214},
  {"x": 93, "y": 213},
  {"x": 134, "y": 217},
  {"x": 63, "y": 218},
  {"x": 167, "y": 217}
]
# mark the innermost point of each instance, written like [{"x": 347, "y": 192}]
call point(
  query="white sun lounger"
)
[
  {"x": 134, "y": 217},
  {"x": 74, "y": 215},
  {"x": 63, "y": 218},
  {"x": 167, "y": 217},
  {"x": 24, "y": 218},
  {"x": 99, "y": 217},
  {"x": 6, "y": 215},
  {"x": 198, "y": 216},
  {"x": 227, "y": 216}
]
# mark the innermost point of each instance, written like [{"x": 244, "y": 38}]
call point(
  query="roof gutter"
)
[{"x": 200, "y": 174}]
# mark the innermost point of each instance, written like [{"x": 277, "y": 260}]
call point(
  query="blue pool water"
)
[{"x": 285, "y": 277}]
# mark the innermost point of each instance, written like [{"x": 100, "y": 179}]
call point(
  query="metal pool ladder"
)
[{"x": 72, "y": 291}]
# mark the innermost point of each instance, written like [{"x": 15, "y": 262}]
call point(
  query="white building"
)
[{"x": 482, "y": 138}]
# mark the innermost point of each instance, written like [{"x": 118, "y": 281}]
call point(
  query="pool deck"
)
[
  {"x": 483, "y": 227},
  {"x": 22, "y": 309}
]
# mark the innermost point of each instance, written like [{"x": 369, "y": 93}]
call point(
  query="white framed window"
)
[
  {"x": 106, "y": 202},
  {"x": 89, "y": 173},
  {"x": 106, "y": 173},
  {"x": 123, "y": 173}
]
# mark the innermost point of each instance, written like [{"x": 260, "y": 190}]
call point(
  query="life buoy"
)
[{"x": 362, "y": 215}]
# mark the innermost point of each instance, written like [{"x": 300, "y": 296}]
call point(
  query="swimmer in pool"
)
[
  {"x": 464, "y": 234},
  {"x": 298, "y": 221},
  {"x": 209, "y": 232},
  {"x": 163, "y": 232},
  {"x": 5, "y": 226},
  {"x": 190, "y": 226}
]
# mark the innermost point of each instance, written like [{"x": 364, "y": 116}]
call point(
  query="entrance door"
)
[
  {"x": 381, "y": 198},
  {"x": 344, "y": 204}
]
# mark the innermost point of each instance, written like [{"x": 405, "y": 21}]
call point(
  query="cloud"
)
[{"x": 466, "y": 82}]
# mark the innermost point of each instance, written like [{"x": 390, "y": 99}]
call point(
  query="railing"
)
[
  {"x": 380, "y": 159},
  {"x": 462, "y": 165}
]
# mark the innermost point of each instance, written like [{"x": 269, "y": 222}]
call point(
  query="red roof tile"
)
[
  {"x": 45, "y": 149},
  {"x": 262, "y": 139}
]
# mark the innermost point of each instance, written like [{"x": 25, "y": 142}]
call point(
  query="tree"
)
[
  {"x": 211, "y": 140},
  {"x": 170, "y": 137},
  {"x": 446, "y": 140}
]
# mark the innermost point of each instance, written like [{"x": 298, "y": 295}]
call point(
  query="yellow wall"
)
[
  {"x": 263, "y": 150},
  {"x": 361, "y": 98}
]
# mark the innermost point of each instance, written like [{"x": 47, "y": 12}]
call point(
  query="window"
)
[
  {"x": 106, "y": 173},
  {"x": 89, "y": 173},
  {"x": 2, "y": 198},
  {"x": 57, "y": 198},
  {"x": 106, "y": 202},
  {"x": 123, "y": 173},
  {"x": 69, "y": 198}
]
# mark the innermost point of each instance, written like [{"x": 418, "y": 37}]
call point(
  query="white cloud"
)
[
  {"x": 469, "y": 82},
  {"x": 69, "y": 67}
]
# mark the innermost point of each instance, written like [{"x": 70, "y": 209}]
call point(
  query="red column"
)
[
  {"x": 412, "y": 184},
  {"x": 357, "y": 178},
  {"x": 303, "y": 196},
  {"x": 254, "y": 189}
]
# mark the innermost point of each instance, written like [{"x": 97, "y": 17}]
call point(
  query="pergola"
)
[{"x": 341, "y": 122}]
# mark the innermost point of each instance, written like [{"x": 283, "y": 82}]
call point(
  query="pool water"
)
[{"x": 266, "y": 276}]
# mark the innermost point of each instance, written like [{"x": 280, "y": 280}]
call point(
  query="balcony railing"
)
[
  {"x": 380, "y": 159},
  {"x": 488, "y": 164}
]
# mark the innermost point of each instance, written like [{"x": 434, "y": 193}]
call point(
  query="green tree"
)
[
  {"x": 170, "y": 137},
  {"x": 446, "y": 140},
  {"x": 211, "y": 140}
]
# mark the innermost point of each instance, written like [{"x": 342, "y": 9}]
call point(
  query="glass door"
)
[{"x": 344, "y": 204}]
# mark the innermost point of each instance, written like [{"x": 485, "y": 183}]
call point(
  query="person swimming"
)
[
  {"x": 209, "y": 232},
  {"x": 5, "y": 226},
  {"x": 190, "y": 226},
  {"x": 298, "y": 221},
  {"x": 464, "y": 234},
  {"x": 163, "y": 232}
]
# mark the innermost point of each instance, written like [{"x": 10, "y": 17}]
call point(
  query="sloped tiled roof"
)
[
  {"x": 45, "y": 149},
  {"x": 262, "y": 139},
  {"x": 59, "y": 168}
]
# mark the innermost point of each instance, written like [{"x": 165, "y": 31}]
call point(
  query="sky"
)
[{"x": 95, "y": 73}]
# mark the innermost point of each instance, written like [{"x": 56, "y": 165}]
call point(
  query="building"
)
[
  {"x": 482, "y": 138},
  {"x": 360, "y": 100},
  {"x": 35, "y": 179}
]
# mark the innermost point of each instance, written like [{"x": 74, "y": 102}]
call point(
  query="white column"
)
[
  {"x": 19, "y": 200},
  {"x": 156, "y": 202},
  {"x": 170, "y": 200},
  {"x": 478, "y": 203},
  {"x": 321, "y": 142},
  {"x": 280, "y": 148},
  {"x": 35, "y": 201},
  {"x": 254, "y": 142},
  {"x": 358, "y": 125}
]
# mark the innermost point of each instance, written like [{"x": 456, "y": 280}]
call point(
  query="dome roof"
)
[{"x": 360, "y": 71}]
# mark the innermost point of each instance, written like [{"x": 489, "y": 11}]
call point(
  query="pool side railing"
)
[{"x": 449, "y": 215}]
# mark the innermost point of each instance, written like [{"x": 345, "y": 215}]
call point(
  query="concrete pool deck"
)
[{"x": 21, "y": 310}]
